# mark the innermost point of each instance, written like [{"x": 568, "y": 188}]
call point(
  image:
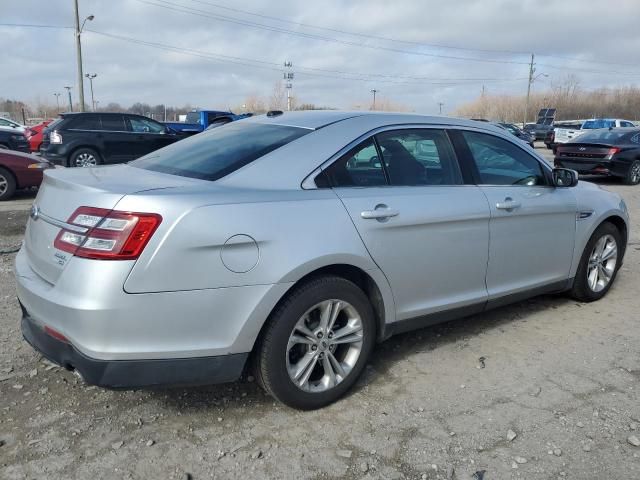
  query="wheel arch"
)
[
  {"x": 622, "y": 227},
  {"x": 12, "y": 173},
  {"x": 372, "y": 282}
]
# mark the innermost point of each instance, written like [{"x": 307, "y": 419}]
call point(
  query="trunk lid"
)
[{"x": 64, "y": 190}]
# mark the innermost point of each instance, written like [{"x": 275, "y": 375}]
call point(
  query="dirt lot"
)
[{"x": 564, "y": 377}]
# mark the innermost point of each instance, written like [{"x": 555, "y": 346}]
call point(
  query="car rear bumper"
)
[
  {"x": 133, "y": 373},
  {"x": 593, "y": 167}
]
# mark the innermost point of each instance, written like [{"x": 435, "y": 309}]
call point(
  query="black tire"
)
[
  {"x": 75, "y": 157},
  {"x": 633, "y": 174},
  {"x": 271, "y": 354},
  {"x": 581, "y": 290},
  {"x": 7, "y": 184}
]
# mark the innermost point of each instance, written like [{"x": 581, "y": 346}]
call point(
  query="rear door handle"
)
[
  {"x": 381, "y": 212},
  {"x": 508, "y": 204}
]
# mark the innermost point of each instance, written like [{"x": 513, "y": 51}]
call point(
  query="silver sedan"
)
[{"x": 298, "y": 241}]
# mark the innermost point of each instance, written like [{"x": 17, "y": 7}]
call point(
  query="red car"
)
[
  {"x": 34, "y": 135},
  {"x": 19, "y": 170}
]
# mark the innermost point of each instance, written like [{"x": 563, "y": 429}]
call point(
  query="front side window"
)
[
  {"x": 215, "y": 153},
  {"x": 419, "y": 157},
  {"x": 500, "y": 162},
  {"x": 145, "y": 125}
]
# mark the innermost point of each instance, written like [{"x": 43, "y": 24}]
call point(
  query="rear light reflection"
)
[
  {"x": 55, "y": 334},
  {"x": 110, "y": 235}
]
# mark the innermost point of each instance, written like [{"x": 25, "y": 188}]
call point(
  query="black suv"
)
[{"x": 87, "y": 139}]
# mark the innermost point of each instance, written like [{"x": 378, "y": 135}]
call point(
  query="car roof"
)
[{"x": 316, "y": 119}]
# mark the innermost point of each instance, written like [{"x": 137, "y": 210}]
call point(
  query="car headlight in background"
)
[
  {"x": 55, "y": 137},
  {"x": 17, "y": 138},
  {"x": 39, "y": 166}
]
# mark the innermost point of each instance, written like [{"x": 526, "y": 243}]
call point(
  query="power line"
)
[
  {"x": 202, "y": 13},
  {"x": 301, "y": 70},
  {"x": 31, "y": 25},
  {"x": 396, "y": 40}
]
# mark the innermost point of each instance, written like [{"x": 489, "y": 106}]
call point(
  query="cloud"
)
[{"x": 38, "y": 62}]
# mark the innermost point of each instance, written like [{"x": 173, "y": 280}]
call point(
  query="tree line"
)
[{"x": 571, "y": 101}]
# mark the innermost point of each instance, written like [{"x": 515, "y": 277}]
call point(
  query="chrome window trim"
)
[{"x": 309, "y": 181}]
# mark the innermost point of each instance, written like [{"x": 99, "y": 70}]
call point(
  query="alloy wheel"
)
[
  {"x": 324, "y": 346},
  {"x": 602, "y": 263},
  {"x": 635, "y": 173},
  {"x": 4, "y": 185},
  {"x": 86, "y": 160}
]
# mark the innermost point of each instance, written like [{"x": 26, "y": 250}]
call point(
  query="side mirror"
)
[{"x": 564, "y": 177}]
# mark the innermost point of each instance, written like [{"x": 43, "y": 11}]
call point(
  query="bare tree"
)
[{"x": 278, "y": 97}]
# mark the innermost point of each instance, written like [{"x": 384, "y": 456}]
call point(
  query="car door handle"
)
[
  {"x": 379, "y": 213},
  {"x": 508, "y": 204}
]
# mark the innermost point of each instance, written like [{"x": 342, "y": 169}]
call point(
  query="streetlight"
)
[
  {"x": 79, "y": 52},
  {"x": 374, "y": 91},
  {"x": 91, "y": 76},
  {"x": 70, "y": 103},
  {"x": 57, "y": 95}
]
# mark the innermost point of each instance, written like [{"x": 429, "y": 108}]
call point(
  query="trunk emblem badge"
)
[
  {"x": 35, "y": 212},
  {"x": 582, "y": 149}
]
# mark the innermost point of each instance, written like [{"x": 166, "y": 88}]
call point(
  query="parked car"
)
[
  {"x": 89, "y": 139},
  {"x": 200, "y": 120},
  {"x": 19, "y": 170},
  {"x": 7, "y": 123},
  {"x": 604, "y": 152},
  {"x": 527, "y": 137},
  {"x": 265, "y": 238},
  {"x": 568, "y": 133},
  {"x": 569, "y": 127},
  {"x": 34, "y": 135},
  {"x": 11, "y": 139}
]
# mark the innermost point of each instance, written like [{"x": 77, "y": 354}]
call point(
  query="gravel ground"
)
[{"x": 544, "y": 389}]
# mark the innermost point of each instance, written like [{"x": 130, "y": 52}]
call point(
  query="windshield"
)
[
  {"x": 215, "y": 153},
  {"x": 599, "y": 123}
]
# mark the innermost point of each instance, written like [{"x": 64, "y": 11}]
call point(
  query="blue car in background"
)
[{"x": 199, "y": 120}]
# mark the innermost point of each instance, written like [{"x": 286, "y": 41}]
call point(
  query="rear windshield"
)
[
  {"x": 600, "y": 123},
  {"x": 606, "y": 136},
  {"x": 215, "y": 153},
  {"x": 193, "y": 117}
]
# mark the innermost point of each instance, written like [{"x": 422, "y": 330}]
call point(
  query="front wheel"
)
[
  {"x": 316, "y": 343},
  {"x": 599, "y": 264},
  {"x": 7, "y": 184}
]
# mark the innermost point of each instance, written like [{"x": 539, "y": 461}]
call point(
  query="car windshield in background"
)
[
  {"x": 215, "y": 153},
  {"x": 606, "y": 136},
  {"x": 600, "y": 123}
]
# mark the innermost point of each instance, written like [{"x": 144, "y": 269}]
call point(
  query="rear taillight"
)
[
  {"x": 611, "y": 152},
  {"x": 109, "y": 235},
  {"x": 55, "y": 137}
]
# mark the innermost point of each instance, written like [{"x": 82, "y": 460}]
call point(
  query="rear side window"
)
[
  {"x": 114, "y": 123},
  {"x": 215, "y": 153},
  {"x": 419, "y": 157},
  {"x": 84, "y": 122},
  {"x": 359, "y": 167}
]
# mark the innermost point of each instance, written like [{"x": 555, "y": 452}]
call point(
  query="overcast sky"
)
[{"x": 216, "y": 56}]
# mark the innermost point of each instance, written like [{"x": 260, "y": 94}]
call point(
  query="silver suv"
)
[{"x": 300, "y": 240}]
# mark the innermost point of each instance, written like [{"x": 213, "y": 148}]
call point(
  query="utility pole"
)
[
  {"x": 440, "y": 104},
  {"x": 374, "y": 91},
  {"x": 526, "y": 105},
  {"x": 57, "y": 95},
  {"x": 91, "y": 76},
  {"x": 70, "y": 103},
  {"x": 288, "y": 78},
  {"x": 79, "y": 57}
]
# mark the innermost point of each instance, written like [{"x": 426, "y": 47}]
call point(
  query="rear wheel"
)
[
  {"x": 599, "y": 264},
  {"x": 316, "y": 344},
  {"x": 84, "y": 157},
  {"x": 633, "y": 175},
  {"x": 7, "y": 184}
]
